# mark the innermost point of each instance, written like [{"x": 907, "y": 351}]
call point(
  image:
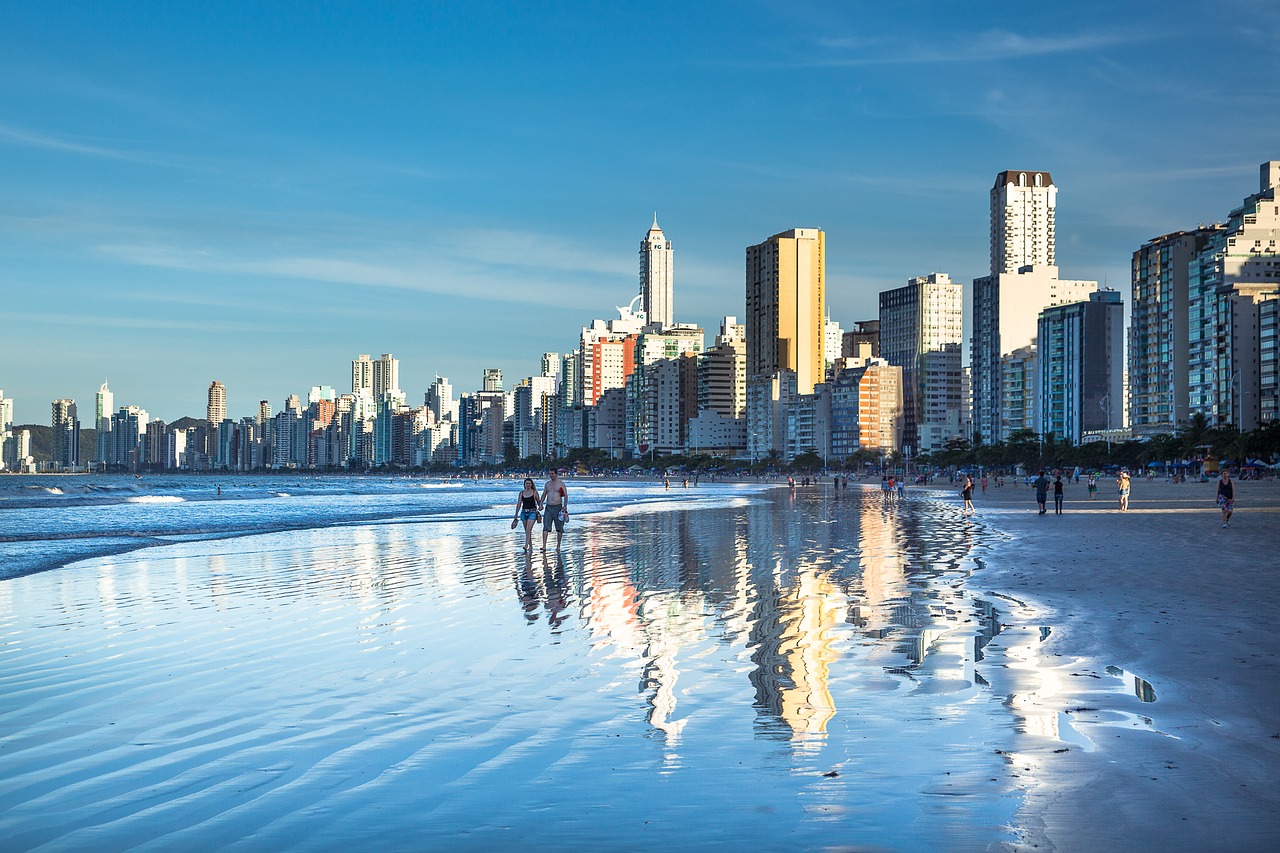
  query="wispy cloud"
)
[
  {"x": 987, "y": 46},
  {"x": 100, "y": 321},
  {"x": 38, "y": 139},
  {"x": 491, "y": 265}
]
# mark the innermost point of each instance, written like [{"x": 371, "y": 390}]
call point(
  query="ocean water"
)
[{"x": 370, "y": 663}]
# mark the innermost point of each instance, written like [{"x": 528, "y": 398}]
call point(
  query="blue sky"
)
[{"x": 258, "y": 192}]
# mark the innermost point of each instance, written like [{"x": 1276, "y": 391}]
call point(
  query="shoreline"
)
[{"x": 1165, "y": 596}]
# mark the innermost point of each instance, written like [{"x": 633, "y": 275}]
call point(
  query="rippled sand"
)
[{"x": 781, "y": 672}]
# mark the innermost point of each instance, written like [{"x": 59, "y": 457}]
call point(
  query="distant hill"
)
[
  {"x": 42, "y": 441},
  {"x": 188, "y": 423}
]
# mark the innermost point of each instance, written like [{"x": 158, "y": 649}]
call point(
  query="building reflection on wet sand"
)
[
  {"x": 781, "y": 574},
  {"x": 792, "y": 583}
]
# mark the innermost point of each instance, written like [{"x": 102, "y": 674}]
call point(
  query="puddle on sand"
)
[{"x": 1140, "y": 686}]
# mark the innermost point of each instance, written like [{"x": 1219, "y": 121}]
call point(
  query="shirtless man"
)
[{"x": 555, "y": 508}]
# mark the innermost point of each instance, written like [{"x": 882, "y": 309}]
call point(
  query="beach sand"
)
[
  {"x": 784, "y": 672},
  {"x": 1163, "y": 594}
]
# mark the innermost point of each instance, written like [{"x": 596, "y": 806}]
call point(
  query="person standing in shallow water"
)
[
  {"x": 555, "y": 508},
  {"x": 1042, "y": 491},
  {"x": 1226, "y": 497},
  {"x": 967, "y": 493},
  {"x": 1057, "y": 495}
]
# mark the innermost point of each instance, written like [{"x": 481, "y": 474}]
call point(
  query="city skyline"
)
[{"x": 258, "y": 197}]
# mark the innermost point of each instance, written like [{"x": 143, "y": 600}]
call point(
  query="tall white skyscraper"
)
[
  {"x": 386, "y": 376},
  {"x": 440, "y": 401},
  {"x": 217, "y": 410},
  {"x": 6, "y": 413},
  {"x": 104, "y": 406},
  {"x": 657, "y": 277},
  {"x": 362, "y": 374},
  {"x": 1023, "y": 282},
  {"x": 8, "y": 451},
  {"x": 1022, "y": 226}
]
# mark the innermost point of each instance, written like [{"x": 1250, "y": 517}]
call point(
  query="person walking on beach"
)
[
  {"x": 1042, "y": 491},
  {"x": 1226, "y": 497},
  {"x": 1093, "y": 486},
  {"x": 967, "y": 494},
  {"x": 1057, "y": 495},
  {"x": 555, "y": 508},
  {"x": 528, "y": 505},
  {"x": 1122, "y": 486}
]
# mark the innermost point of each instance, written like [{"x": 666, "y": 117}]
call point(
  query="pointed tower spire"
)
[{"x": 654, "y": 227}]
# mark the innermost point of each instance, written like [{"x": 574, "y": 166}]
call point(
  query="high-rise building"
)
[
  {"x": 1022, "y": 226},
  {"x": 722, "y": 372},
  {"x": 550, "y": 365},
  {"x": 1237, "y": 270},
  {"x": 1159, "y": 349},
  {"x": 1269, "y": 361},
  {"x": 786, "y": 306},
  {"x": 1019, "y": 391},
  {"x": 386, "y": 376},
  {"x": 65, "y": 449},
  {"x": 440, "y": 401},
  {"x": 217, "y": 410},
  {"x": 492, "y": 379},
  {"x": 862, "y": 341},
  {"x": 128, "y": 428},
  {"x": 832, "y": 344},
  {"x": 920, "y": 331},
  {"x": 606, "y": 354},
  {"x": 662, "y": 396},
  {"x": 104, "y": 405},
  {"x": 657, "y": 277},
  {"x": 1023, "y": 282},
  {"x": 1080, "y": 358},
  {"x": 866, "y": 407},
  {"x": 8, "y": 447},
  {"x": 362, "y": 374},
  {"x": 264, "y": 412}
]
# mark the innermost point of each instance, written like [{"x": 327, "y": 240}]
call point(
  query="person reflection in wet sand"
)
[
  {"x": 527, "y": 589},
  {"x": 557, "y": 585}
]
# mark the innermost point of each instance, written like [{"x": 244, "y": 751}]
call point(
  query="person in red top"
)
[{"x": 555, "y": 508}]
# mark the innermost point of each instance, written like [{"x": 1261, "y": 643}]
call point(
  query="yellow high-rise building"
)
[{"x": 785, "y": 306}]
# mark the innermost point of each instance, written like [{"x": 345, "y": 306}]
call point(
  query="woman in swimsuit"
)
[{"x": 528, "y": 505}]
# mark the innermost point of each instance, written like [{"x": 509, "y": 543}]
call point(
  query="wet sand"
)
[
  {"x": 1165, "y": 594},
  {"x": 785, "y": 672}
]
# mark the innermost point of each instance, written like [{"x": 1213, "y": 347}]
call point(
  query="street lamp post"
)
[{"x": 1231, "y": 396}]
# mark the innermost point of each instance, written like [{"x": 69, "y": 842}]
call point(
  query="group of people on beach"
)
[
  {"x": 550, "y": 508},
  {"x": 1042, "y": 484}
]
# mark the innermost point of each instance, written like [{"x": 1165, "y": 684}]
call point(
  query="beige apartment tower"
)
[
  {"x": 786, "y": 306},
  {"x": 216, "y": 411}
]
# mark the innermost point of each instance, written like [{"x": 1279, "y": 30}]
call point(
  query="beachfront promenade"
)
[{"x": 1165, "y": 594}]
